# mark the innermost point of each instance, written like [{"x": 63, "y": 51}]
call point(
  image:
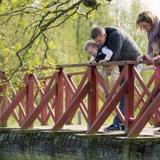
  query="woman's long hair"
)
[{"x": 146, "y": 16}]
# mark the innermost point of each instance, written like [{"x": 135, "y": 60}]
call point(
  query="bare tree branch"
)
[{"x": 50, "y": 16}]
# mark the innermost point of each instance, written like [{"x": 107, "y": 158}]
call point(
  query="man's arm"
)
[{"x": 115, "y": 43}]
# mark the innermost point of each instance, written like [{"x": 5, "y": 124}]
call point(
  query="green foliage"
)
[{"x": 62, "y": 44}]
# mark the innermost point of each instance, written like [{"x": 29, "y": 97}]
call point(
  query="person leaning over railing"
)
[
  {"x": 101, "y": 55},
  {"x": 156, "y": 53},
  {"x": 123, "y": 48}
]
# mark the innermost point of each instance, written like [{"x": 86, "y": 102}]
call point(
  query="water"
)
[
  {"x": 36, "y": 145},
  {"x": 16, "y": 152},
  {"x": 28, "y": 156}
]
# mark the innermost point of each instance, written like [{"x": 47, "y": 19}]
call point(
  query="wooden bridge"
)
[{"x": 56, "y": 98}]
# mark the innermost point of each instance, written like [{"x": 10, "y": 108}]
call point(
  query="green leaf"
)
[{"x": 51, "y": 45}]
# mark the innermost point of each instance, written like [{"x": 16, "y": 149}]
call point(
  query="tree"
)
[
  {"x": 29, "y": 24},
  {"x": 54, "y": 31}
]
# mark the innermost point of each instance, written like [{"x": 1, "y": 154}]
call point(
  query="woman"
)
[{"x": 151, "y": 24}]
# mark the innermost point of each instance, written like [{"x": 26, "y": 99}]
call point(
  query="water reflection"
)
[{"x": 36, "y": 156}]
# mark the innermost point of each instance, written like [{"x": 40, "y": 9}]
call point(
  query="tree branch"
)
[{"x": 47, "y": 17}]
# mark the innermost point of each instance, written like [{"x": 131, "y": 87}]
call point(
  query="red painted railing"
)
[{"x": 63, "y": 94}]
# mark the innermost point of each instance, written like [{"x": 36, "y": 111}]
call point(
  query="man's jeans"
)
[{"x": 116, "y": 120}]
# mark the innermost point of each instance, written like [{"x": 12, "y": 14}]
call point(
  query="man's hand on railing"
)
[
  {"x": 142, "y": 58},
  {"x": 139, "y": 58},
  {"x": 145, "y": 58},
  {"x": 102, "y": 61}
]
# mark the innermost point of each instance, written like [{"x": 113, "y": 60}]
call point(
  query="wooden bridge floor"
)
[
  {"x": 81, "y": 129},
  {"x": 146, "y": 132}
]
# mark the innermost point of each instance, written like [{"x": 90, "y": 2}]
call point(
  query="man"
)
[{"x": 123, "y": 48}]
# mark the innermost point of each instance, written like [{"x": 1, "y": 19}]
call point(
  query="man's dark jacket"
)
[{"x": 121, "y": 44}]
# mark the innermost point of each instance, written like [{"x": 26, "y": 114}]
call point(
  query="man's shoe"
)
[
  {"x": 122, "y": 127},
  {"x": 114, "y": 127},
  {"x": 157, "y": 132}
]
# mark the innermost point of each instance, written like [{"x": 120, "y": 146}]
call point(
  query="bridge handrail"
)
[
  {"x": 118, "y": 63},
  {"x": 61, "y": 96}
]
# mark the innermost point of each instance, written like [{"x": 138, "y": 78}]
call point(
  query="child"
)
[{"x": 99, "y": 55}]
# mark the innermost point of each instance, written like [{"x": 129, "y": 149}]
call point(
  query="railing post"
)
[
  {"x": 92, "y": 96},
  {"x": 59, "y": 95},
  {"x": 44, "y": 112},
  {"x": 30, "y": 94},
  {"x": 21, "y": 116},
  {"x": 3, "y": 97},
  {"x": 129, "y": 96},
  {"x": 68, "y": 98}
]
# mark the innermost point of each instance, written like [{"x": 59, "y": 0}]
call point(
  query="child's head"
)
[
  {"x": 156, "y": 47},
  {"x": 91, "y": 47}
]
